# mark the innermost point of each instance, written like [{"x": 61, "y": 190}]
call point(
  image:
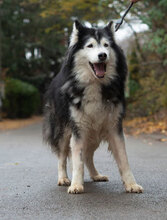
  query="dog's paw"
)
[
  {"x": 64, "y": 182},
  {"x": 133, "y": 188},
  {"x": 100, "y": 178},
  {"x": 76, "y": 189}
]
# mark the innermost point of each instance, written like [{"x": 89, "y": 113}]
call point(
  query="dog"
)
[{"x": 85, "y": 105}]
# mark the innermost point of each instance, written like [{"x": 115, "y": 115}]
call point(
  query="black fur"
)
[{"x": 58, "y": 100}]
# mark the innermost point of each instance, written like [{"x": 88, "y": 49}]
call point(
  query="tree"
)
[
  {"x": 28, "y": 49},
  {"x": 1, "y": 81},
  {"x": 35, "y": 36}
]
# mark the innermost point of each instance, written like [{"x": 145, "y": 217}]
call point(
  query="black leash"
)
[{"x": 120, "y": 21}]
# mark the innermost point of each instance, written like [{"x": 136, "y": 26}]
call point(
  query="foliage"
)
[
  {"x": 42, "y": 29},
  {"x": 134, "y": 70},
  {"x": 151, "y": 98},
  {"x": 147, "y": 125},
  {"x": 151, "y": 72},
  {"x": 155, "y": 17},
  {"x": 24, "y": 34},
  {"x": 91, "y": 10},
  {"x": 21, "y": 99}
]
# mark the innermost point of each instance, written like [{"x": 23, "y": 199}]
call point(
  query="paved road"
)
[{"x": 28, "y": 177}]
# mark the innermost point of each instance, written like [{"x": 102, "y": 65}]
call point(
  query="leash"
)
[{"x": 120, "y": 21}]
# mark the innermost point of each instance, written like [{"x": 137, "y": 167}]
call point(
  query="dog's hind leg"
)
[
  {"x": 62, "y": 163},
  {"x": 117, "y": 145},
  {"x": 94, "y": 174}
]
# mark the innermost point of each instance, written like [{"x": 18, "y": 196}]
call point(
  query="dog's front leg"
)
[
  {"x": 77, "y": 145},
  {"x": 117, "y": 145}
]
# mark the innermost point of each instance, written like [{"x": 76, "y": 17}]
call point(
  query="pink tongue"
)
[{"x": 100, "y": 69}]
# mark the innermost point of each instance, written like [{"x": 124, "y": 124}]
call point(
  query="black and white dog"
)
[{"x": 85, "y": 105}]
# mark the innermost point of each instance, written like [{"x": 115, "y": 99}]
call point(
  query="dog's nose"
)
[{"x": 102, "y": 56}]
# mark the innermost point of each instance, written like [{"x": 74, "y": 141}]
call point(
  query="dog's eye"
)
[
  {"x": 90, "y": 45},
  {"x": 106, "y": 45}
]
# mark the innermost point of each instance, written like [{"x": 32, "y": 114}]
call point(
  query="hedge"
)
[{"x": 21, "y": 99}]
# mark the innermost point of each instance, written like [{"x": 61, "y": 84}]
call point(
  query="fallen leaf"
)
[{"x": 163, "y": 139}]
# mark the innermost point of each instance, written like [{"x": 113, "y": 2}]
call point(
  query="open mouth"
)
[{"x": 99, "y": 69}]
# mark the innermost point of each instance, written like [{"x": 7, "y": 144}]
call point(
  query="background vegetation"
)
[
  {"x": 35, "y": 36},
  {"x": 21, "y": 99}
]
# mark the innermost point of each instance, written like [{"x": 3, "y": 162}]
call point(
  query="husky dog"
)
[{"x": 85, "y": 105}]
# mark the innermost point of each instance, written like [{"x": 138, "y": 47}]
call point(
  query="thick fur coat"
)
[{"x": 85, "y": 105}]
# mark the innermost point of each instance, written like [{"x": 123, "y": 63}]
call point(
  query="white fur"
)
[
  {"x": 117, "y": 145},
  {"x": 78, "y": 166},
  {"x": 83, "y": 70},
  {"x": 62, "y": 160},
  {"x": 96, "y": 121},
  {"x": 76, "y": 100},
  {"x": 92, "y": 53},
  {"x": 74, "y": 35},
  {"x": 98, "y": 124},
  {"x": 93, "y": 109},
  {"x": 112, "y": 29},
  {"x": 65, "y": 86}
]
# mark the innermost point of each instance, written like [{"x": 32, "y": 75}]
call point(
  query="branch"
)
[{"x": 136, "y": 40}]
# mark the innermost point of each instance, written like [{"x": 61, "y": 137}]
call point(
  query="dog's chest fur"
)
[
  {"x": 92, "y": 100},
  {"x": 95, "y": 113}
]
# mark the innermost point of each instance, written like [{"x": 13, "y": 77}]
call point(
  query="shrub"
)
[
  {"x": 21, "y": 99},
  {"x": 151, "y": 98},
  {"x": 133, "y": 87}
]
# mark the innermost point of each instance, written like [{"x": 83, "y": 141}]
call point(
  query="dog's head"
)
[{"x": 94, "y": 56}]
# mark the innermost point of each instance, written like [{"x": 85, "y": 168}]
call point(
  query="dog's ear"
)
[
  {"x": 77, "y": 27},
  {"x": 110, "y": 26}
]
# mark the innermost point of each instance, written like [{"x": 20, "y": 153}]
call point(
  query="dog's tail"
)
[{"x": 48, "y": 124}]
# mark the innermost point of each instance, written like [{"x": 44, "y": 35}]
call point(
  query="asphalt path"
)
[{"x": 28, "y": 182}]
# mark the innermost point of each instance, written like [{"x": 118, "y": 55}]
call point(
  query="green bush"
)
[
  {"x": 133, "y": 87},
  {"x": 150, "y": 98},
  {"x": 21, "y": 99}
]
